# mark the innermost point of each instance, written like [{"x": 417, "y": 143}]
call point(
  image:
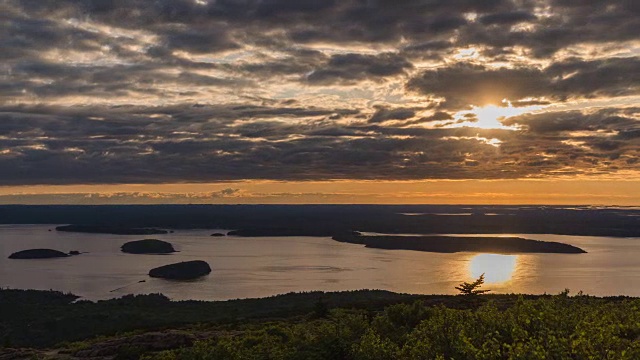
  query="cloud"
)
[
  {"x": 44, "y": 145},
  {"x": 606, "y": 77},
  {"x": 563, "y": 24},
  {"x": 198, "y": 40},
  {"x": 463, "y": 84},
  {"x": 507, "y": 18},
  {"x": 384, "y": 114},
  {"x": 607, "y": 120},
  {"x": 346, "y": 68},
  {"x": 115, "y": 91}
]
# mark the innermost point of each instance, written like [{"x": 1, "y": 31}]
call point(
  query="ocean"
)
[{"x": 251, "y": 267}]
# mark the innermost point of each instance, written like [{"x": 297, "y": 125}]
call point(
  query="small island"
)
[
  {"x": 38, "y": 254},
  {"x": 187, "y": 270},
  {"x": 452, "y": 244},
  {"x": 115, "y": 230},
  {"x": 218, "y": 234},
  {"x": 147, "y": 246}
]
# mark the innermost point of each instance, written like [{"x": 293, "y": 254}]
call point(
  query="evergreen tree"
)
[{"x": 472, "y": 288}]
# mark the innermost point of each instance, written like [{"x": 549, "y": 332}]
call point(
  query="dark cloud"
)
[
  {"x": 204, "y": 143},
  {"x": 607, "y": 120},
  {"x": 608, "y": 77},
  {"x": 384, "y": 114},
  {"x": 25, "y": 37},
  {"x": 442, "y": 24},
  {"x": 437, "y": 116},
  {"x": 297, "y": 62},
  {"x": 51, "y": 79},
  {"x": 198, "y": 40},
  {"x": 434, "y": 50},
  {"x": 348, "y": 67},
  {"x": 463, "y": 84},
  {"x": 356, "y": 20},
  {"x": 507, "y": 18},
  {"x": 566, "y": 24},
  {"x": 580, "y": 139}
]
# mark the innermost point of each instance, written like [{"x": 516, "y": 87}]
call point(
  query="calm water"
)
[{"x": 257, "y": 267}]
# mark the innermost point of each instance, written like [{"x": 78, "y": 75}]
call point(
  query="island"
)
[
  {"x": 218, "y": 234},
  {"x": 147, "y": 246},
  {"x": 115, "y": 230},
  {"x": 187, "y": 270},
  {"x": 452, "y": 244},
  {"x": 38, "y": 254}
]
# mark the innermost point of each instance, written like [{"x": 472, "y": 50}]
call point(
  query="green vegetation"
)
[
  {"x": 30, "y": 318},
  {"x": 556, "y": 327},
  {"x": 354, "y": 325}
]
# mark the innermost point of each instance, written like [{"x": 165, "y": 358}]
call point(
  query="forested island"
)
[
  {"x": 452, "y": 244},
  {"x": 38, "y": 254},
  {"x": 186, "y": 270},
  {"x": 147, "y": 246}
]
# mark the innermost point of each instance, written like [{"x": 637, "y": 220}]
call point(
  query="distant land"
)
[
  {"x": 105, "y": 229},
  {"x": 329, "y": 220},
  {"x": 452, "y": 244}
]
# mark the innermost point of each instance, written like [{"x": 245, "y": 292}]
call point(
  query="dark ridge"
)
[
  {"x": 187, "y": 270},
  {"x": 452, "y": 244},
  {"x": 148, "y": 246},
  {"x": 328, "y": 220},
  {"x": 218, "y": 234},
  {"x": 116, "y": 230},
  {"x": 38, "y": 254},
  {"x": 284, "y": 231}
]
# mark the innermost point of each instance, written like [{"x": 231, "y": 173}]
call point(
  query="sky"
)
[{"x": 301, "y": 101}]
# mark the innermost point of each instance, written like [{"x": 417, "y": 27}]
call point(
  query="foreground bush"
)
[{"x": 558, "y": 327}]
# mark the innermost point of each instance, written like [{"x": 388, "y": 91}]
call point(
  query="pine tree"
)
[{"x": 472, "y": 288}]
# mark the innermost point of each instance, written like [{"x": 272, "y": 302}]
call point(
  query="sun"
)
[{"x": 491, "y": 116}]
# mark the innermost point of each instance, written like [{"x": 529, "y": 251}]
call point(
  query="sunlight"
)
[
  {"x": 488, "y": 116},
  {"x": 496, "y": 268},
  {"x": 468, "y": 53},
  {"x": 491, "y": 116}
]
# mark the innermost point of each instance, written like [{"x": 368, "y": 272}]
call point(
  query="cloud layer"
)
[{"x": 114, "y": 91}]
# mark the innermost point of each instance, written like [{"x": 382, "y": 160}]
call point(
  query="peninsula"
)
[{"x": 452, "y": 244}]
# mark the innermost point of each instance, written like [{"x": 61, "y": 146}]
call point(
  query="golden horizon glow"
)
[{"x": 597, "y": 191}]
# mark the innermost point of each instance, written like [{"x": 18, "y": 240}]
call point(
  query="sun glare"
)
[
  {"x": 496, "y": 268},
  {"x": 491, "y": 116}
]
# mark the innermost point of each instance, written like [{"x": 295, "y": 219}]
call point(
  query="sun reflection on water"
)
[{"x": 496, "y": 268}]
